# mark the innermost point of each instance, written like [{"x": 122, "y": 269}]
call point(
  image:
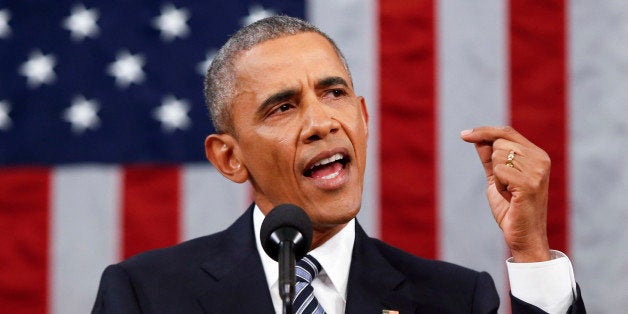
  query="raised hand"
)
[{"x": 517, "y": 176}]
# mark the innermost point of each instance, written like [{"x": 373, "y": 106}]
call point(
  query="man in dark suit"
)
[{"x": 288, "y": 121}]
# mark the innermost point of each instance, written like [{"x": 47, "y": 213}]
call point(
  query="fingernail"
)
[{"x": 465, "y": 132}]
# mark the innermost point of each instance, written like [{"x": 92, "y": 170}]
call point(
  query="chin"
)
[{"x": 329, "y": 218}]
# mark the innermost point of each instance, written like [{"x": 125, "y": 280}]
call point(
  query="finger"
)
[
  {"x": 485, "y": 153},
  {"x": 500, "y": 185},
  {"x": 507, "y": 178},
  {"x": 509, "y": 158},
  {"x": 491, "y": 134},
  {"x": 508, "y": 146},
  {"x": 491, "y": 154}
]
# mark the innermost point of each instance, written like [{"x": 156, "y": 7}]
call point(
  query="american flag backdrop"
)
[{"x": 102, "y": 123}]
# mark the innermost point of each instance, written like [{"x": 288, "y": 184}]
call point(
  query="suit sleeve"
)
[
  {"x": 116, "y": 293},
  {"x": 521, "y": 307},
  {"x": 485, "y": 297}
]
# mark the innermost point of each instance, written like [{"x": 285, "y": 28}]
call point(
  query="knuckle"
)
[
  {"x": 538, "y": 179},
  {"x": 535, "y": 185},
  {"x": 544, "y": 160},
  {"x": 508, "y": 129},
  {"x": 497, "y": 171}
]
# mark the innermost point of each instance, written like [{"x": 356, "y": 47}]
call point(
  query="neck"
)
[{"x": 321, "y": 235}]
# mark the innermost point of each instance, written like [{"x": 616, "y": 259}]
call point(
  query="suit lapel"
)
[
  {"x": 237, "y": 282},
  {"x": 374, "y": 285}
]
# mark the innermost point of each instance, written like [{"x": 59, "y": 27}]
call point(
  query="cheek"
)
[
  {"x": 357, "y": 132},
  {"x": 279, "y": 140},
  {"x": 269, "y": 154},
  {"x": 357, "y": 135}
]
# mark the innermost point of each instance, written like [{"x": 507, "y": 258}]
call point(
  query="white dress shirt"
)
[
  {"x": 330, "y": 286},
  {"x": 548, "y": 285}
]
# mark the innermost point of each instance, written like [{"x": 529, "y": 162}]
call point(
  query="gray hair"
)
[{"x": 220, "y": 78}]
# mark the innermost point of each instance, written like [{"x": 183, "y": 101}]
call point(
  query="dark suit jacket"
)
[{"x": 223, "y": 273}]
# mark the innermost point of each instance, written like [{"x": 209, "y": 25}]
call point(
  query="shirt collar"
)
[{"x": 334, "y": 255}]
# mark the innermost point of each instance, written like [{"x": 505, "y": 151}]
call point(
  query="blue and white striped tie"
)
[{"x": 304, "y": 301}]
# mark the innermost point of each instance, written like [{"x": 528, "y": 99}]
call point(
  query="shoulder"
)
[
  {"x": 415, "y": 266},
  {"x": 155, "y": 279},
  {"x": 443, "y": 286},
  {"x": 187, "y": 250},
  {"x": 171, "y": 262},
  {"x": 438, "y": 286},
  {"x": 196, "y": 252},
  {"x": 438, "y": 277}
]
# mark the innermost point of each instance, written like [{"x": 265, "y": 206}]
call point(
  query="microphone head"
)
[{"x": 286, "y": 222}]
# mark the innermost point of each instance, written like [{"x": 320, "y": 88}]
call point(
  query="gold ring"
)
[{"x": 510, "y": 158}]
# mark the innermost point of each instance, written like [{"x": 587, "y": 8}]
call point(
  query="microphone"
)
[{"x": 286, "y": 236}]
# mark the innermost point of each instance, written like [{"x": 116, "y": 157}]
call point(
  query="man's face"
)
[{"x": 301, "y": 130}]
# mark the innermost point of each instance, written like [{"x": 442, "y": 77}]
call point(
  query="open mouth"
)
[{"x": 327, "y": 168}]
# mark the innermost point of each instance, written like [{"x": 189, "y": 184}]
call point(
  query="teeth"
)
[
  {"x": 331, "y": 175},
  {"x": 329, "y": 160}
]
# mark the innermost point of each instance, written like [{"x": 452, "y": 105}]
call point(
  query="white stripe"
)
[
  {"x": 84, "y": 234},
  {"x": 472, "y": 91},
  {"x": 210, "y": 202},
  {"x": 305, "y": 304},
  {"x": 352, "y": 24},
  {"x": 598, "y": 72},
  {"x": 299, "y": 286}
]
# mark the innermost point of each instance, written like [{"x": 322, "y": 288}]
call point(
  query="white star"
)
[
  {"x": 202, "y": 67},
  {"x": 127, "y": 69},
  {"x": 172, "y": 22},
  {"x": 5, "y": 30},
  {"x": 82, "y": 114},
  {"x": 82, "y": 22},
  {"x": 173, "y": 114},
  {"x": 39, "y": 69},
  {"x": 256, "y": 13},
  {"x": 5, "y": 120}
]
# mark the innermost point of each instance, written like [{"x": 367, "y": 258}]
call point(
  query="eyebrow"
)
[
  {"x": 331, "y": 81},
  {"x": 276, "y": 98},
  {"x": 288, "y": 94}
]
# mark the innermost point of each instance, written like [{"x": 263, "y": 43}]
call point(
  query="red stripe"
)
[
  {"x": 150, "y": 208},
  {"x": 408, "y": 133},
  {"x": 24, "y": 204},
  {"x": 538, "y": 91}
]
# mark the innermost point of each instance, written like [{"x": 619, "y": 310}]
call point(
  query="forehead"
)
[{"x": 288, "y": 60}]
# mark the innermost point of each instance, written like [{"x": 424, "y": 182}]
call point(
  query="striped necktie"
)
[{"x": 304, "y": 301}]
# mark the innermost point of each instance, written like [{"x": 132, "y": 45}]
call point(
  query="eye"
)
[
  {"x": 335, "y": 93},
  {"x": 284, "y": 107},
  {"x": 281, "y": 108}
]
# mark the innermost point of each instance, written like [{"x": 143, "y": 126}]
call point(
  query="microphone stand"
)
[
  {"x": 286, "y": 235},
  {"x": 287, "y": 277}
]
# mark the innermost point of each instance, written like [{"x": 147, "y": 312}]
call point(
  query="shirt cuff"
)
[{"x": 548, "y": 285}]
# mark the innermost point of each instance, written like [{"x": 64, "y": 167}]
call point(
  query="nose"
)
[{"x": 317, "y": 121}]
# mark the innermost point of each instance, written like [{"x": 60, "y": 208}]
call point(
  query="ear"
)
[
  {"x": 365, "y": 114},
  {"x": 222, "y": 151}
]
